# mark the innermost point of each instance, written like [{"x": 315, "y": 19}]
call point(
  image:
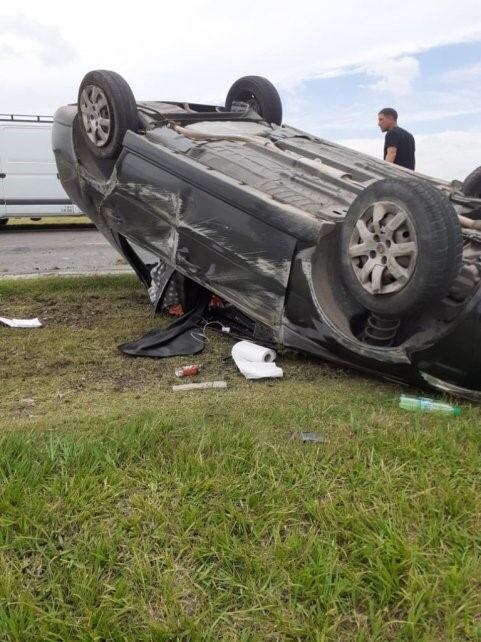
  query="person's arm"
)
[
  {"x": 392, "y": 144},
  {"x": 391, "y": 154}
]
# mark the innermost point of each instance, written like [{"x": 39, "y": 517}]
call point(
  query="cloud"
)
[
  {"x": 449, "y": 154},
  {"x": 7, "y": 51},
  {"x": 197, "y": 53},
  {"x": 462, "y": 75},
  {"x": 394, "y": 77},
  {"x": 26, "y": 37}
]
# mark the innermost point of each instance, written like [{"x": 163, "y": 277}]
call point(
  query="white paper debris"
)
[
  {"x": 255, "y": 362},
  {"x": 21, "y": 323},
  {"x": 199, "y": 386}
]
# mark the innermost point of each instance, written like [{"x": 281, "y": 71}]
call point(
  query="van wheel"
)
[
  {"x": 401, "y": 247},
  {"x": 106, "y": 111},
  {"x": 256, "y": 93},
  {"x": 3, "y": 222}
]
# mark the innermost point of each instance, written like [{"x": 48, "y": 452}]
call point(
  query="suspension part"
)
[{"x": 380, "y": 331}]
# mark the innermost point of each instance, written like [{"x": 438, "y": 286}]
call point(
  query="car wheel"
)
[
  {"x": 106, "y": 111},
  {"x": 472, "y": 184},
  {"x": 3, "y": 222},
  {"x": 401, "y": 247},
  {"x": 256, "y": 93}
]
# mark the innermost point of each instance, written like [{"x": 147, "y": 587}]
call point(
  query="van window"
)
[{"x": 27, "y": 145}]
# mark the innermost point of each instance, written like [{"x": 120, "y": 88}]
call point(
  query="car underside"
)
[{"x": 325, "y": 250}]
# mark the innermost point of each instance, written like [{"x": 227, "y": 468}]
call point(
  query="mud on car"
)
[{"x": 323, "y": 249}]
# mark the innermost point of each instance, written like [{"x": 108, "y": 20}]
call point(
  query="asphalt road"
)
[{"x": 57, "y": 251}]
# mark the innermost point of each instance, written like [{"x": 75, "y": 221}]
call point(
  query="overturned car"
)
[{"x": 323, "y": 249}]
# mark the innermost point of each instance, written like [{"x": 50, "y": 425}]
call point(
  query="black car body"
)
[{"x": 254, "y": 211}]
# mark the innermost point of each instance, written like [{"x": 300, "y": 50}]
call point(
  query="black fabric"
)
[
  {"x": 176, "y": 339},
  {"x": 185, "y": 335},
  {"x": 403, "y": 141}
]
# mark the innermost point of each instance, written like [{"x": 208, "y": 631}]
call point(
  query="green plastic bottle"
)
[{"x": 428, "y": 405}]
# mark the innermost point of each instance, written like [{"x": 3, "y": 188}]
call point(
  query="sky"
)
[{"x": 335, "y": 64}]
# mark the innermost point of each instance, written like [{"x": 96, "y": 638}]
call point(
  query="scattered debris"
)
[
  {"x": 176, "y": 310},
  {"x": 181, "y": 337},
  {"x": 254, "y": 361},
  {"x": 314, "y": 437},
  {"x": 21, "y": 323},
  {"x": 425, "y": 404},
  {"x": 188, "y": 371},
  {"x": 199, "y": 386}
]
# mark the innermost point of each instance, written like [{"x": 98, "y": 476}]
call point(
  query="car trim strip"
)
[{"x": 35, "y": 201}]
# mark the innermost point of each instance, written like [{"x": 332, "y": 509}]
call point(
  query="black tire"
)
[
  {"x": 120, "y": 111},
  {"x": 436, "y": 236},
  {"x": 472, "y": 184},
  {"x": 260, "y": 94},
  {"x": 3, "y": 222}
]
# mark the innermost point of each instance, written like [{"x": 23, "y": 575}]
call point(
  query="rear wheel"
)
[
  {"x": 401, "y": 247},
  {"x": 472, "y": 184},
  {"x": 257, "y": 93},
  {"x": 3, "y": 222},
  {"x": 106, "y": 111}
]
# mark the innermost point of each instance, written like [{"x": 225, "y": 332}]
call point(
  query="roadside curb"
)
[{"x": 61, "y": 273}]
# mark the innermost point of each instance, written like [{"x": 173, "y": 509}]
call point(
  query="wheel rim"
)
[
  {"x": 96, "y": 117},
  {"x": 249, "y": 99},
  {"x": 383, "y": 248}
]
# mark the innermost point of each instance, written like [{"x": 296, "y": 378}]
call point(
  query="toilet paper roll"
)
[
  {"x": 248, "y": 351},
  {"x": 255, "y": 362}
]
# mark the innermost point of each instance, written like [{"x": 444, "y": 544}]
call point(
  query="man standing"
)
[{"x": 399, "y": 146}]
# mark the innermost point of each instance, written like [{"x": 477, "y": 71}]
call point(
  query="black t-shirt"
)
[{"x": 403, "y": 141}]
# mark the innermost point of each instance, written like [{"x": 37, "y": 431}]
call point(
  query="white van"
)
[{"x": 29, "y": 184}]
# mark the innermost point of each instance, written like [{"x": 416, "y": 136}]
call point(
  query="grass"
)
[{"x": 129, "y": 512}]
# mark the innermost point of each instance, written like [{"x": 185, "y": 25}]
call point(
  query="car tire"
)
[
  {"x": 404, "y": 255},
  {"x": 106, "y": 111},
  {"x": 259, "y": 94},
  {"x": 472, "y": 184},
  {"x": 3, "y": 222}
]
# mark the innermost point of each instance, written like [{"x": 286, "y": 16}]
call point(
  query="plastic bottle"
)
[{"x": 428, "y": 405}]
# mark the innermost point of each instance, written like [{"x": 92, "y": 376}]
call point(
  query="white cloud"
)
[
  {"x": 450, "y": 154},
  {"x": 463, "y": 75},
  {"x": 196, "y": 50},
  {"x": 22, "y": 37},
  {"x": 394, "y": 77}
]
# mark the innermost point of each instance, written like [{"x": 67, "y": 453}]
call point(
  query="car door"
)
[
  {"x": 235, "y": 253},
  {"x": 204, "y": 225}
]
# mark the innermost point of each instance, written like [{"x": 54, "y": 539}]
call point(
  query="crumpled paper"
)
[{"x": 21, "y": 323}]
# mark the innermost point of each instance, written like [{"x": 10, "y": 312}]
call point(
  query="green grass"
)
[{"x": 129, "y": 512}]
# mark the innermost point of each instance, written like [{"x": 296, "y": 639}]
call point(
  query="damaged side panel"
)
[
  {"x": 237, "y": 256},
  {"x": 226, "y": 249}
]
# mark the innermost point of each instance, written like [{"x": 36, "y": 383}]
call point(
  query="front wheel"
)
[
  {"x": 106, "y": 111},
  {"x": 401, "y": 247}
]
